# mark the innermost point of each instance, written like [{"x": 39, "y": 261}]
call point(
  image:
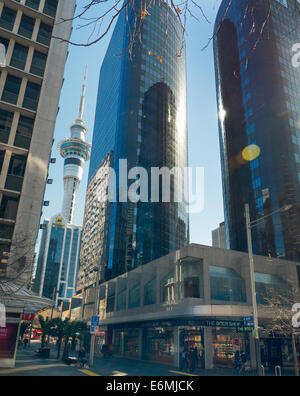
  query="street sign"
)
[
  {"x": 250, "y": 324},
  {"x": 248, "y": 319},
  {"x": 94, "y": 323}
]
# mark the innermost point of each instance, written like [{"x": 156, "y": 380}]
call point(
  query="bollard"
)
[
  {"x": 278, "y": 371},
  {"x": 263, "y": 370}
]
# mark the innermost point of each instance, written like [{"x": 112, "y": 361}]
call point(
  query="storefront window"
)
[
  {"x": 226, "y": 285},
  {"x": 192, "y": 339},
  {"x": 160, "y": 345},
  {"x": 225, "y": 343},
  {"x": 126, "y": 343}
]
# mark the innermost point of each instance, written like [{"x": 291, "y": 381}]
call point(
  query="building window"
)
[
  {"x": 24, "y": 132},
  {"x": 33, "y": 4},
  {"x": 19, "y": 56},
  {"x": 2, "y": 155},
  {"x": 44, "y": 35},
  {"x": 121, "y": 300},
  {"x": 16, "y": 172},
  {"x": 11, "y": 89},
  {"x": 7, "y": 18},
  {"x": 191, "y": 278},
  {"x": 9, "y": 207},
  {"x": 32, "y": 95},
  {"x": 6, "y": 119},
  {"x": 50, "y": 7},
  {"x": 150, "y": 292},
  {"x": 268, "y": 286},
  {"x": 26, "y": 26},
  {"x": 110, "y": 304},
  {"x": 38, "y": 64},
  {"x": 226, "y": 285},
  {"x": 134, "y": 296}
]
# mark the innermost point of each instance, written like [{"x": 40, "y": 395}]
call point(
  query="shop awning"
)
[{"x": 13, "y": 295}]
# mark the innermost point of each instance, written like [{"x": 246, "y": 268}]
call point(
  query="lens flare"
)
[{"x": 250, "y": 153}]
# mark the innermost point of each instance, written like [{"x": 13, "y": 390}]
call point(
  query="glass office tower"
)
[
  {"x": 141, "y": 117},
  {"x": 258, "y": 92}
]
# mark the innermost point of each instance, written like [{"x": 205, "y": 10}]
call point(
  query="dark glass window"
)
[
  {"x": 2, "y": 155},
  {"x": 33, "y": 4},
  {"x": 19, "y": 56},
  {"x": 269, "y": 286},
  {"x": 191, "y": 279},
  {"x": 11, "y": 89},
  {"x": 44, "y": 35},
  {"x": 24, "y": 132},
  {"x": 38, "y": 64},
  {"x": 150, "y": 292},
  {"x": 26, "y": 26},
  {"x": 134, "y": 296},
  {"x": 16, "y": 172},
  {"x": 121, "y": 300},
  {"x": 32, "y": 95},
  {"x": 6, "y": 119},
  {"x": 5, "y": 42},
  {"x": 9, "y": 207},
  {"x": 50, "y": 7},
  {"x": 7, "y": 18},
  {"x": 6, "y": 231},
  {"x": 226, "y": 285},
  {"x": 110, "y": 304}
]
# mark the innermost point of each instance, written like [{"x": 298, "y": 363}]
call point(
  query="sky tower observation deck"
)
[{"x": 76, "y": 151}]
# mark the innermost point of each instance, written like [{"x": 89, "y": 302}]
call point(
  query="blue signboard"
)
[{"x": 94, "y": 323}]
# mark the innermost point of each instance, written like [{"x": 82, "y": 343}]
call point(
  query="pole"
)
[
  {"x": 93, "y": 338},
  {"x": 253, "y": 291},
  {"x": 295, "y": 354}
]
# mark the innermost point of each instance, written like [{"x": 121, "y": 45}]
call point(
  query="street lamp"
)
[{"x": 251, "y": 224}]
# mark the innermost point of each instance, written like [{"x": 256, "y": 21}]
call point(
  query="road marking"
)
[
  {"x": 30, "y": 368},
  {"x": 90, "y": 373},
  {"x": 182, "y": 373}
]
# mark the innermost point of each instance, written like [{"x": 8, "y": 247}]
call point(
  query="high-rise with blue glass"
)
[
  {"x": 258, "y": 93},
  {"x": 141, "y": 117}
]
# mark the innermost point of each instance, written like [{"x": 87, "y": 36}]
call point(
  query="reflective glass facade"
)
[
  {"x": 58, "y": 261},
  {"x": 258, "y": 92},
  {"x": 141, "y": 117}
]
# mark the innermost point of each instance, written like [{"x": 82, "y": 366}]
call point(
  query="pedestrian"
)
[
  {"x": 25, "y": 342},
  {"x": 243, "y": 362},
  {"x": 237, "y": 361},
  {"x": 82, "y": 357},
  {"x": 192, "y": 359},
  {"x": 184, "y": 362}
]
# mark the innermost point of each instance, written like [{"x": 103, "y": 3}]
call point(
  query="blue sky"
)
[{"x": 202, "y": 119}]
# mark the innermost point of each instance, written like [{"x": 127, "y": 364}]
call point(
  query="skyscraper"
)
[
  {"x": 58, "y": 260},
  {"x": 75, "y": 151},
  {"x": 258, "y": 92},
  {"x": 30, "y": 86},
  {"x": 141, "y": 117}
]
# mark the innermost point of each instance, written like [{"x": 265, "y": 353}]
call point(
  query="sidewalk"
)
[{"x": 28, "y": 364}]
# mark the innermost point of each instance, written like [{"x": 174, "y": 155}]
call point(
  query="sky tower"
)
[{"x": 75, "y": 150}]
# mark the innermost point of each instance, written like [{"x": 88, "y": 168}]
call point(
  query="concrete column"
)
[
  {"x": 208, "y": 348},
  {"x": 17, "y": 21},
  {"x": 176, "y": 347}
]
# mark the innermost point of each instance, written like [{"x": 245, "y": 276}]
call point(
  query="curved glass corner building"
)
[
  {"x": 141, "y": 117},
  {"x": 258, "y": 93}
]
